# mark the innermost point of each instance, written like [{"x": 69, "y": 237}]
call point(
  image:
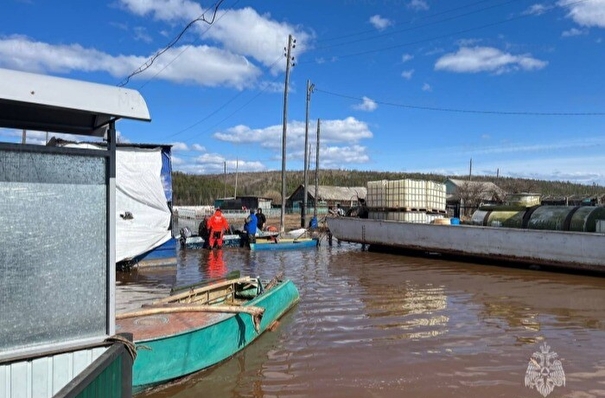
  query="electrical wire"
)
[
  {"x": 151, "y": 60},
  {"x": 225, "y": 104},
  {"x": 437, "y": 109},
  {"x": 383, "y": 49}
]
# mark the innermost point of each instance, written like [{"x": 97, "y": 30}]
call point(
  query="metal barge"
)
[{"x": 583, "y": 251}]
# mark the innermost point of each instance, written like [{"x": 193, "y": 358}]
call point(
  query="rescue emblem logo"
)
[{"x": 544, "y": 371}]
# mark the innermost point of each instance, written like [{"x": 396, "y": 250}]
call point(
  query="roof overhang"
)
[{"x": 46, "y": 103}]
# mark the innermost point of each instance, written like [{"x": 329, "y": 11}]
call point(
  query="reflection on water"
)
[{"x": 382, "y": 325}]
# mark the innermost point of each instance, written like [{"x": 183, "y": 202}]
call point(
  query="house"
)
[
  {"x": 326, "y": 196},
  {"x": 468, "y": 195},
  {"x": 243, "y": 203}
]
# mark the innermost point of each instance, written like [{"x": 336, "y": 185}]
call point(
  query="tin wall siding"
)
[{"x": 44, "y": 377}]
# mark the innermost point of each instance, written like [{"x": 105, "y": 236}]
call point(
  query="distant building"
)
[
  {"x": 463, "y": 196},
  {"x": 573, "y": 200},
  {"x": 327, "y": 196},
  {"x": 243, "y": 203}
]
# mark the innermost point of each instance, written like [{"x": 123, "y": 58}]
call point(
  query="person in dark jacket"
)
[
  {"x": 261, "y": 219},
  {"x": 204, "y": 232}
]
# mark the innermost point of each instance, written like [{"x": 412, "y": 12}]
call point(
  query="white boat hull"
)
[{"x": 577, "y": 250}]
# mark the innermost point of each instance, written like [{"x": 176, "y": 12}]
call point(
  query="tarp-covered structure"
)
[{"x": 143, "y": 197}]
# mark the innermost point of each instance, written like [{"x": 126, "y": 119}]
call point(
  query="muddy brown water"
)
[{"x": 385, "y": 325}]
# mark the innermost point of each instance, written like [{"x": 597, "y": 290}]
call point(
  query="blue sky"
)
[{"x": 399, "y": 85}]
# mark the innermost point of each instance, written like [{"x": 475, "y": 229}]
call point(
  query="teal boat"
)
[
  {"x": 284, "y": 244},
  {"x": 196, "y": 329}
]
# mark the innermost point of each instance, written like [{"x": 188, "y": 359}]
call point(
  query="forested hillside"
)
[{"x": 189, "y": 190}]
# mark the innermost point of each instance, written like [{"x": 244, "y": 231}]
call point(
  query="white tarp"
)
[{"x": 139, "y": 191}]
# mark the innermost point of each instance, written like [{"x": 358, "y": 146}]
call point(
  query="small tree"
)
[{"x": 472, "y": 194}]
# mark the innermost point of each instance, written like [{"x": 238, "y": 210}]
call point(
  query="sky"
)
[{"x": 514, "y": 88}]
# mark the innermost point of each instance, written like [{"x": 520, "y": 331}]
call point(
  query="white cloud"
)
[
  {"x": 336, "y": 156},
  {"x": 536, "y": 9},
  {"x": 407, "y": 74},
  {"x": 198, "y": 147},
  {"x": 140, "y": 34},
  {"x": 406, "y": 57},
  {"x": 179, "y": 146},
  {"x": 573, "y": 32},
  {"x": 367, "y": 105},
  {"x": 219, "y": 67},
  {"x": 242, "y": 31},
  {"x": 213, "y": 163},
  {"x": 486, "y": 59},
  {"x": 585, "y": 13},
  {"x": 419, "y": 5},
  {"x": 427, "y": 87},
  {"x": 380, "y": 23},
  {"x": 342, "y": 133}
]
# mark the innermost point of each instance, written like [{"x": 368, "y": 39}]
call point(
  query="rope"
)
[{"x": 129, "y": 345}]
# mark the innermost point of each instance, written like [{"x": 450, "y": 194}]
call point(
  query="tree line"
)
[{"x": 194, "y": 190}]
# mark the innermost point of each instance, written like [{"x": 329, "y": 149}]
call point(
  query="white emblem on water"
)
[{"x": 544, "y": 371}]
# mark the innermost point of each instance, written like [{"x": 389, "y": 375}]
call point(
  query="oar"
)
[
  {"x": 231, "y": 275},
  {"x": 255, "y": 312}
]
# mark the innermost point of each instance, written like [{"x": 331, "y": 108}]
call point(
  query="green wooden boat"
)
[{"x": 196, "y": 329}]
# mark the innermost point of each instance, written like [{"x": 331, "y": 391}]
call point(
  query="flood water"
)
[{"x": 385, "y": 325}]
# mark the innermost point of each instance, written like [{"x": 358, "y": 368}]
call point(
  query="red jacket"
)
[{"x": 218, "y": 222}]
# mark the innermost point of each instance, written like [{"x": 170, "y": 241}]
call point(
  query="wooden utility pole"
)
[
  {"x": 236, "y": 165},
  {"x": 470, "y": 169},
  {"x": 289, "y": 60},
  {"x": 316, "y": 171},
  {"x": 303, "y": 214}
]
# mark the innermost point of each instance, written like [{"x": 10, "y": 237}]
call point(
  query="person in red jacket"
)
[{"x": 217, "y": 225}]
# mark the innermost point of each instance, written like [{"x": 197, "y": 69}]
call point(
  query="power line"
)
[
  {"x": 393, "y": 32},
  {"x": 410, "y": 21},
  {"x": 227, "y": 103},
  {"x": 151, "y": 60},
  {"x": 428, "y": 108},
  {"x": 376, "y": 50}
]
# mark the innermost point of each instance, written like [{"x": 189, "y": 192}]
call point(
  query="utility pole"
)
[
  {"x": 289, "y": 60},
  {"x": 470, "y": 169},
  {"x": 303, "y": 215},
  {"x": 225, "y": 173},
  {"x": 23, "y": 137},
  {"x": 316, "y": 171},
  {"x": 236, "y": 165}
]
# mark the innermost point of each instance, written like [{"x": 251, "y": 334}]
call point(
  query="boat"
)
[
  {"x": 195, "y": 329},
  {"x": 573, "y": 250},
  {"x": 284, "y": 244},
  {"x": 189, "y": 240}
]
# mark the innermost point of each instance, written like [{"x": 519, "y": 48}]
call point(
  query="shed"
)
[
  {"x": 327, "y": 196},
  {"x": 58, "y": 230},
  {"x": 464, "y": 196}
]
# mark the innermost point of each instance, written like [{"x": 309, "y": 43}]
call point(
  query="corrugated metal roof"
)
[{"x": 327, "y": 192}]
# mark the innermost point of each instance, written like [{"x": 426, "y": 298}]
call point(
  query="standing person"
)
[
  {"x": 261, "y": 219},
  {"x": 203, "y": 231},
  {"x": 250, "y": 227},
  {"x": 217, "y": 225},
  {"x": 340, "y": 210}
]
